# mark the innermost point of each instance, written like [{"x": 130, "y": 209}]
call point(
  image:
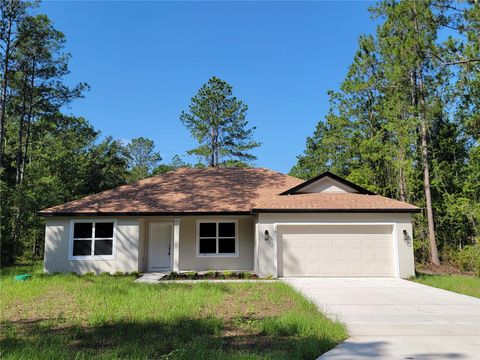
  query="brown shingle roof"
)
[
  {"x": 218, "y": 190},
  {"x": 188, "y": 190},
  {"x": 333, "y": 202}
]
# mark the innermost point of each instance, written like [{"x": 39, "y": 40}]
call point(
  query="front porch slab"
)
[{"x": 153, "y": 277}]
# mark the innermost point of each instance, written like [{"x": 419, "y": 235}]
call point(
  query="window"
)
[
  {"x": 93, "y": 239},
  {"x": 217, "y": 238}
]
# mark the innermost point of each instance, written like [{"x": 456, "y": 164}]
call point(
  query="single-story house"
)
[{"x": 196, "y": 219}]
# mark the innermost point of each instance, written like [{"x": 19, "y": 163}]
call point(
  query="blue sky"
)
[{"x": 145, "y": 60}]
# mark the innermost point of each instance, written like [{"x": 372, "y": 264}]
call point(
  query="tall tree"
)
[
  {"x": 36, "y": 90},
  {"x": 11, "y": 14},
  {"x": 47, "y": 157},
  {"x": 176, "y": 163},
  {"x": 405, "y": 120},
  {"x": 217, "y": 120},
  {"x": 106, "y": 166},
  {"x": 143, "y": 158},
  {"x": 409, "y": 30}
]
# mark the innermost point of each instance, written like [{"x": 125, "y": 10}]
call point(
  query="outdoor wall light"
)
[
  {"x": 267, "y": 235},
  {"x": 406, "y": 237}
]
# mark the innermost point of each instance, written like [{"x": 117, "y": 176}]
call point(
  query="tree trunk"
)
[
  {"x": 434, "y": 259},
  {"x": 216, "y": 149},
  {"x": 420, "y": 107},
  {"x": 19, "y": 155},
  {"x": 3, "y": 100},
  {"x": 401, "y": 179},
  {"x": 212, "y": 155},
  {"x": 29, "y": 122}
]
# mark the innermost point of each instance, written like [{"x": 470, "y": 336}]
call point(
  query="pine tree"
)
[{"x": 217, "y": 120}]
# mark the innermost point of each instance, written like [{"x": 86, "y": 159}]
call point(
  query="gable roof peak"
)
[{"x": 327, "y": 174}]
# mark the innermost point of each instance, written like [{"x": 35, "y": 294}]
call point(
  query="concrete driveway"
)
[{"x": 396, "y": 319}]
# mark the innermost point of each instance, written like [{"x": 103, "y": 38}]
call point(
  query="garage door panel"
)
[
  {"x": 354, "y": 256},
  {"x": 356, "y": 243},
  {"x": 326, "y": 243},
  {"x": 339, "y": 250},
  {"x": 369, "y": 243}
]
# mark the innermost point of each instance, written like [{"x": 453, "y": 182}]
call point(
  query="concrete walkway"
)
[
  {"x": 151, "y": 278},
  {"x": 396, "y": 319}
]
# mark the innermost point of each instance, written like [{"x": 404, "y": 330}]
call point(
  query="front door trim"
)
[{"x": 151, "y": 252}]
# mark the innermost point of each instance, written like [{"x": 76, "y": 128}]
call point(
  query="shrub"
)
[
  {"x": 135, "y": 274},
  {"x": 191, "y": 274},
  {"x": 90, "y": 273},
  {"x": 105, "y": 273},
  {"x": 468, "y": 259},
  {"x": 173, "y": 275},
  {"x": 119, "y": 273}
]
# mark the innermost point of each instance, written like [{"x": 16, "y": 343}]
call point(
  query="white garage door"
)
[{"x": 335, "y": 250}]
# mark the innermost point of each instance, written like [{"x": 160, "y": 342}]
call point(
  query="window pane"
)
[
  {"x": 82, "y": 230},
  {"x": 103, "y": 247},
  {"x": 208, "y": 246},
  {"x": 82, "y": 247},
  {"x": 226, "y": 229},
  {"x": 226, "y": 246},
  {"x": 208, "y": 229},
  {"x": 104, "y": 230}
]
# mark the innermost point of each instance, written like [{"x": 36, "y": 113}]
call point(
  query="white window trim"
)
[
  {"x": 92, "y": 257},
  {"x": 217, "y": 255}
]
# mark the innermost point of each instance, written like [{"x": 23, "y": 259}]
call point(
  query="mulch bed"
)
[
  {"x": 442, "y": 269},
  {"x": 211, "y": 275}
]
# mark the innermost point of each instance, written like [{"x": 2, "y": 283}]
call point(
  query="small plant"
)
[
  {"x": 173, "y": 275},
  {"x": 105, "y": 273},
  {"x": 247, "y": 275},
  {"x": 227, "y": 274},
  {"x": 136, "y": 274},
  {"x": 241, "y": 275},
  {"x": 210, "y": 274},
  {"x": 119, "y": 273},
  {"x": 191, "y": 274}
]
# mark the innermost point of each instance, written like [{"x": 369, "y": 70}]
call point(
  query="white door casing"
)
[{"x": 160, "y": 246}]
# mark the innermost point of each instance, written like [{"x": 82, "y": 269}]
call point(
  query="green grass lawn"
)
[
  {"x": 80, "y": 317},
  {"x": 462, "y": 284}
]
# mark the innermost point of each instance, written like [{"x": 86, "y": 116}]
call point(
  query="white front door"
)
[{"x": 159, "y": 246}]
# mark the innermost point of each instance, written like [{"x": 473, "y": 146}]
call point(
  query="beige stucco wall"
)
[
  {"x": 188, "y": 259},
  {"x": 132, "y": 243},
  {"x": 327, "y": 185},
  {"x": 267, "y": 250},
  {"x": 57, "y": 246}
]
